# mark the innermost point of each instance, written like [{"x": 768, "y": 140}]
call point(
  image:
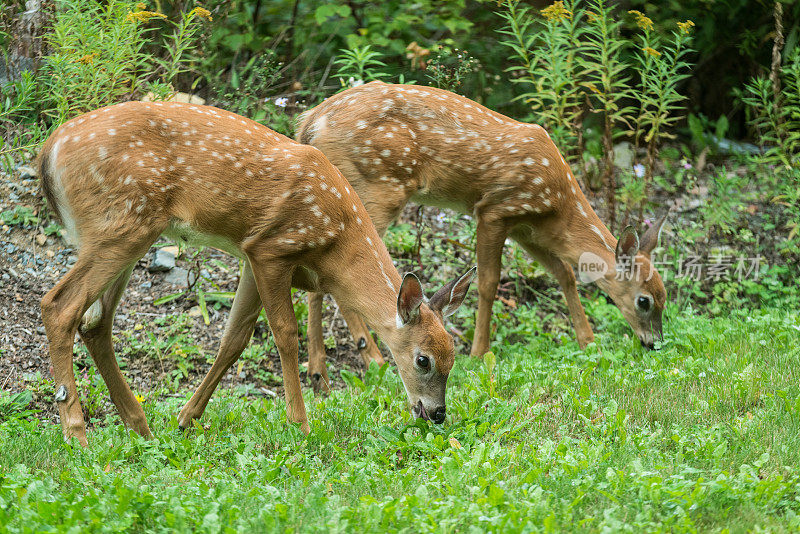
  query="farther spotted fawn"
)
[{"x": 401, "y": 143}]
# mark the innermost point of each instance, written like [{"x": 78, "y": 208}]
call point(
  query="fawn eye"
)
[
  {"x": 643, "y": 303},
  {"x": 423, "y": 362}
]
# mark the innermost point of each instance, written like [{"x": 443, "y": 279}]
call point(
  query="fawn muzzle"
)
[{"x": 436, "y": 415}]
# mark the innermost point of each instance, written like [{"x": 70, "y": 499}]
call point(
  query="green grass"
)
[{"x": 703, "y": 435}]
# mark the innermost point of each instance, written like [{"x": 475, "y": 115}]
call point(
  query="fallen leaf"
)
[{"x": 511, "y": 303}]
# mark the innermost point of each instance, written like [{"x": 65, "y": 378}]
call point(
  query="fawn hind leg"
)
[
  {"x": 99, "y": 265},
  {"x": 95, "y": 331},
  {"x": 365, "y": 343}
]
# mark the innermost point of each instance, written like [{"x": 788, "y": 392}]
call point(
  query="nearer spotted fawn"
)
[{"x": 121, "y": 176}]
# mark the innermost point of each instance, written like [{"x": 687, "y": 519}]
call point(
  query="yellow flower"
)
[
  {"x": 88, "y": 59},
  {"x": 642, "y": 20},
  {"x": 144, "y": 16},
  {"x": 202, "y": 13},
  {"x": 686, "y": 27},
  {"x": 556, "y": 12},
  {"x": 140, "y": 398},
  {"x": 652, "y": 51}
]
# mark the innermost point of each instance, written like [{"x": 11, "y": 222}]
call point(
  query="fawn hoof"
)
[
  {"x": 77, "y": 433},
  {"x": 319, "y": 383},
  {"x": 185, "y": 419}
]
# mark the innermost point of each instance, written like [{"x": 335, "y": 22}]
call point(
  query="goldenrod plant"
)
[
  {"x": 662, "y": 65},
  {"x": 545, "y": 49},
  {"x": 96, "y": 55}
]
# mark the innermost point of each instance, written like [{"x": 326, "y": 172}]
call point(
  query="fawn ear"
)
[
  {"x": 650, "y": 238},
  {"x": 628, "y": 244},
  {"x": 409, "y": 299},
  {"x": 451, "y": 295}
]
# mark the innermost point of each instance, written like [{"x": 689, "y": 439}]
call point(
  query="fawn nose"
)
[
  {"x": 647, "y": 344},
  {"x": 439, "y": 415}
]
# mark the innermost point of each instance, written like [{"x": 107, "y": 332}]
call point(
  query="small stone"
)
[
  {"x": 50, "y": 254},
  {"x": 41, "y": 239},
  {"x": 177, "y": 276},
  {"x": 71, "y": 259},
  {"x": 26, "y": 172},
  {"x": 194, "y": 311},
  {"x": 171, "y": 250},
  {"x": 162, "y": 261}
]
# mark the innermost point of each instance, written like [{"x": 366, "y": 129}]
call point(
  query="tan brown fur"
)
[
  {"x": 122, "y": 175},
  {"x": 401, "y": 143}
]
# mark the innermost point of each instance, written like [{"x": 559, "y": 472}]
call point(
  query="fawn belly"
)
[
  {"x": 185, "y": 233},
  {"x": 442, "y": 200}
]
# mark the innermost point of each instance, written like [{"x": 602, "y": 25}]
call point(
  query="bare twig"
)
[{"x": 11, "y": 372}]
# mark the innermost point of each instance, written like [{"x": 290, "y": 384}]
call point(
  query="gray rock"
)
[
  {"x": 623, "y": 155},
  {"x": 71, "y": 259},
  {"x": 26, "y": 172},
  {"x": 162, "y": 261},
  {"x": 179, "y": 277}
]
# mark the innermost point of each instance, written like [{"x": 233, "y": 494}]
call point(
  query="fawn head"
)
[
  {"x": 425, "y": 352},
  {"x": 636, "y": 287}
]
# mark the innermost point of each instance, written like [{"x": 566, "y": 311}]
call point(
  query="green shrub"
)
[
  {"x": 96, "y": 57},
  {"x": 776, "y": 117}
]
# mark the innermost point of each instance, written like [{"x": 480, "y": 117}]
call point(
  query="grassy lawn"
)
[{"x": 703, "y": 435}]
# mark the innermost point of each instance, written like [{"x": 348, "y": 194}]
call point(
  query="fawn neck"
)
[{"x": 362, "y": 277}]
